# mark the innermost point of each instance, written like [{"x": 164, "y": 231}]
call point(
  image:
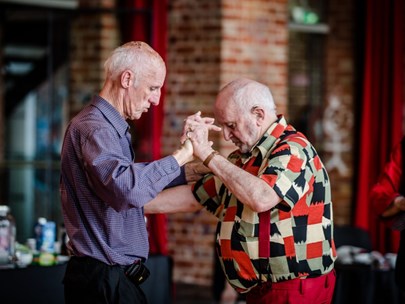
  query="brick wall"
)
[
  {"x": 254, "y": 45},
  {"x": 211, "y": 43},
  {"x": 94, "y": 34},
  {"x": 340, "y": 89},
  {"x": 194, "y": 63}
]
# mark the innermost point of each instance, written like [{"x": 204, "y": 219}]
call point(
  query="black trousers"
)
[
  {"x": 400, "y": 266},
  {"x": 90, "y": 281}
]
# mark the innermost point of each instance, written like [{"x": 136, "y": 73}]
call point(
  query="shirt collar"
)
[
  {"x": 111, "y": 114},
  {"x": 269, "y": 138}
]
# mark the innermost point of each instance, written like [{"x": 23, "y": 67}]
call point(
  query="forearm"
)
[
  {"x": 176, "y": 199},
  {"x": 386, "y": 190},
  {"x": 248, "y": 188},
  {"x": 395, "y": 207},
  {"x": 195, "y": 170},
  {"x": 382, "y": 196},
  {"x": 184, "y": 154}
]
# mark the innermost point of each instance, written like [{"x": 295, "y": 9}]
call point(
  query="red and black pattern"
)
[{"x": 301, "y": 240}]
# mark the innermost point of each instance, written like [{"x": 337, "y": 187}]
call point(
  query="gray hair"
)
[
  {"x": 247, "y": 94},
  {"x": 136, "y": 56}
]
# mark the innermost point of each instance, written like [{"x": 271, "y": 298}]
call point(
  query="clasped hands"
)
[{"x": 195, "y": 135}]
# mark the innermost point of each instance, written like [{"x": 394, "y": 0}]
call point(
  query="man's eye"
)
[{"x": 231, "y": 126}]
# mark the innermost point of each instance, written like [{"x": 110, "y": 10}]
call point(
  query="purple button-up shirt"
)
[{"x": 103, "y": 190}]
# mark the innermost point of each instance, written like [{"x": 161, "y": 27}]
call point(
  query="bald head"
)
[
  {"x": 245, "y": 94},
  {"x": 245, "y": 109}
]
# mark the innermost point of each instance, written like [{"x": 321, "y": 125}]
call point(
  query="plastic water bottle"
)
[
  {"x": 7, "y": 236},
  {"x": 45, "y": 233}
]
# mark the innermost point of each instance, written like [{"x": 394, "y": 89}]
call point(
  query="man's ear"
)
[
  {"x": 127, "y": 79},
  {"x": 259, "y": 113}
]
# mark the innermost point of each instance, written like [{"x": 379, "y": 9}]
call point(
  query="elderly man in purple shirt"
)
[{"x": 103, "y": 190}]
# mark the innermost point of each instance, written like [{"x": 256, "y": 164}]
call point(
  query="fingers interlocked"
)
[
  {"x": 190, "y": 129},
  {"x": 199, "y": 125}
]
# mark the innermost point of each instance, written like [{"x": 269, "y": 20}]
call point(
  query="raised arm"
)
[{"x": 248, "y": 188}]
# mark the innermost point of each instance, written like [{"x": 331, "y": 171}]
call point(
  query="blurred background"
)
[{"x": 335, "y": 69}]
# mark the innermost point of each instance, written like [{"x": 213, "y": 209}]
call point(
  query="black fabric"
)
[
  {"x": 402, "y": 184},
  {"x": 365, "y": 284},
  {"x": 352, "y": 236},
  {"x": 90, "y": 281},
  {"x": 400, "y": 266},
  {"x": 400, "y": 263},
  {"x": 32, "y": 284}
]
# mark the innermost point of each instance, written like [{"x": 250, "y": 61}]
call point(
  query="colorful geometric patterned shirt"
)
[{"x": 301, "y": 225}]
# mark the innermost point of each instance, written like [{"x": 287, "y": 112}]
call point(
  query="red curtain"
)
[
  {"x": 147, "y": 21},
  {"x": 157, "y": 222},
  {"x": 380, "y": 110}
]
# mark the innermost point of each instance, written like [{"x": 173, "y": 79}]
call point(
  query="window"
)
[
  {"x": 35, "y": 76},
  {"x": 38, "y": 77},
  {"x": 306, "y": 61}
]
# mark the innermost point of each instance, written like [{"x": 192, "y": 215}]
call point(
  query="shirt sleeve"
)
[
  {"x": 206, "y": 192},
  {"x": 116, "y": 178},
  {"x": 287, "y": 172},
  {"x": 387, "y": 187},
  {"x": 179, "y": 180}
]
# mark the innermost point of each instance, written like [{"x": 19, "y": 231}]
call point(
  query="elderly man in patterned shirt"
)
[{"x": 271, "y": 196}]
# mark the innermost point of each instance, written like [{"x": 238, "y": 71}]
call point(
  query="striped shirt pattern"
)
[
  {"x": 103, "y": 190},
  {"x": 301, "y": 237}
]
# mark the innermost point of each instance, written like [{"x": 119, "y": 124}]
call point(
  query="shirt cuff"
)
[{"x": 179, "y": 180}]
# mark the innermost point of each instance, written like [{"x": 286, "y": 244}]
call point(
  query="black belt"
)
[{"x": 136, "y": 272}]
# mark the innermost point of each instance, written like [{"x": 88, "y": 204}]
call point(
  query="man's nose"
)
[
  {"x": 227, "y": 134},
  {"x": 154, "y": 99}
]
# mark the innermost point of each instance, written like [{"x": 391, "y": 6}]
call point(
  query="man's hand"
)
[
  {"x": 185, "y": 153},
  {"x": 399, "y": 202},
  {"x": 195, "y": 170},
  {"x": 396, "y": 207},
  {"x": 197, "y": 128},
  {"x": 192, "y": 122}
]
